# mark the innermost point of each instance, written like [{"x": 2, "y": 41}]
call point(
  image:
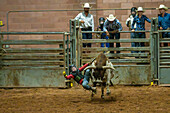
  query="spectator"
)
[
  {"x": 100, "y": 28},
  {"x": 164, "y": 22},
  {"x": 113, "y": 26},
  {"x": 86, "y": 23},
  {"x": 139, "y": 20},
  {"x": 129, "y": 22}
]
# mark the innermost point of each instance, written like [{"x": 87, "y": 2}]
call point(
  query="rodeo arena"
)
[{"x": 84, "y": 56}]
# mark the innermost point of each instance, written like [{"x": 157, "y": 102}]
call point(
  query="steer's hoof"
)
[
  {"x": 108, "y": 92},
  {"x": 102, "y": 96},
  {"x": 94, "y": 90}
]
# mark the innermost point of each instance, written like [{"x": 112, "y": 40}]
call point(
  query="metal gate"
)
[
  {"x": 163, "y": 61},
  {"x": 152, "y": 64},
  {"x": 132, "y": 68},
  {"x": 161, "y": 56},
  {"x": 32, "y": 66}
]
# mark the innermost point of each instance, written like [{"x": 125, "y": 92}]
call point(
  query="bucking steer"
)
[{"x": 102, "y": 71}]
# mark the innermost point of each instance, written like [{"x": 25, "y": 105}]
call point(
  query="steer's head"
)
[{"x": 100, "y": 66}]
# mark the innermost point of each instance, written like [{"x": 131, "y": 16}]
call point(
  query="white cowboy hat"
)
[
  {"x": 86, "y": 5},
  {"x": 140, "y": 9},
  {"x": 111, "y": 17},
  {"x": 162, "y": 7}
]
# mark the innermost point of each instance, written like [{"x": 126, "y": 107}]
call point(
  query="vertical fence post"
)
[
  {"x": 154, "y": 49},
  {"x": 64, "y": 50},
  {"x": 78, "y": 44},
  {"x": 67, "y": 56},
  {"x": 61, "y": 46},
  {"x": 81, "y": 61},
  {"x": 71, "y": 42},
  {"x": 1, "y": 50},
  {"x": 74, "y": 43}
]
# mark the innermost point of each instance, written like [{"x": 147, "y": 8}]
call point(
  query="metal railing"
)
[
  {"x": 148, "y": 58},
  {"x": 34, "y": 58}
]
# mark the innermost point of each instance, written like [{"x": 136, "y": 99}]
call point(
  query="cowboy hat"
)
[
  {"x": 140, "y": 9},
  {"x": 162, "y": 7},
  {"x": 86, "y": 5},
  {"x": 111, "y": 17}
]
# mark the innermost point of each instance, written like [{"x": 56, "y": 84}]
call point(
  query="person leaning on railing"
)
[
  {"x": 86, "y": 23},
  {"x": 129, "y": 22},
  {"x": 139, "y": 20},
  {"x": 100, "y": 28},
  {"x": 164, "y": 22},
  {"x": 113, "y": 26}
]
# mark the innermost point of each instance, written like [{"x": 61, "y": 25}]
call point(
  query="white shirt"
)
[
  {"x": 88, "y": 20},
  {"x": 131, "y": 18}
]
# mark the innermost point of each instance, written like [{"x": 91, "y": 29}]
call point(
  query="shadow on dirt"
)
[{"x": 98, "y": 100}]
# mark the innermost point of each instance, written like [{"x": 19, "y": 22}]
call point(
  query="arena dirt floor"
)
[{"x": 123, "y": 99}]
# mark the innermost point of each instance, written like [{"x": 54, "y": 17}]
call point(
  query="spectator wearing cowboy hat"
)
[
  {"x": 86, "y": 23},
  {"x": 139, "y": 20},
  {"x": 114, "y": 26},
  {"x": 164, "y": 21}
]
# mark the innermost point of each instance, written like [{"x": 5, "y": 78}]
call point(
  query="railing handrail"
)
[
  {"x": 26, "y": 33},
  {"x": 114, "y": 32},
  {"x": 163, "y": 30}
]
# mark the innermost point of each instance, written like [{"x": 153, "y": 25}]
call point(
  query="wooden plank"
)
[
  {"x": 123, "y": 60},
  {"x": 32, "y": 56},
  {"x": 91, "y": 55},
  {"x": 34, "y": 50},
  {"x": 117, "y": 49},
  {"x": 113, "y": 40},
  {"x": 30, "y": 62},
  {"x": 31, "y": 42}
]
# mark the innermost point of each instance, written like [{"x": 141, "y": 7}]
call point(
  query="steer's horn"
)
[
  {"x": 108, "y": 67},
  {"x": 90, "y": 67}
]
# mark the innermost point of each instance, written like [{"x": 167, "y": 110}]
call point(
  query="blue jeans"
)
[
  {"x": 117, "y": 36},
  {"x": 87, "y": 36},
  {"x": 166, "y": 35},
  {"x": 139, "y": 44},
  {"x": 103, "y": 36},
  {"x": 86, "y": 80}
]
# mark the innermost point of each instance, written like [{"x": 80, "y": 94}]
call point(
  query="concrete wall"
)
[{"x": 59, "y": 21}]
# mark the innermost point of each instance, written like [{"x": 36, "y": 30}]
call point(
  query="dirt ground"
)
[{"x": 123, "y": 99}]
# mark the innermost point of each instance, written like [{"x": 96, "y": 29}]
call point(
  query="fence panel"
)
[
  {"x": 132, "y": 68},
  {"x": 164, "y": 59},
  {"x": 29, "y": 66}
]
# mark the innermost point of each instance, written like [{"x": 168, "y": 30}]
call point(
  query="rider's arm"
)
[
  {"x": 69, "y": 76},
  {"x": 83, "y": 67}
]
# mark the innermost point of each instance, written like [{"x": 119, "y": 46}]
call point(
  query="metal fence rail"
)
[
  {"x": 33, "y": 57},
  {"x": 94, "y": 51}
]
